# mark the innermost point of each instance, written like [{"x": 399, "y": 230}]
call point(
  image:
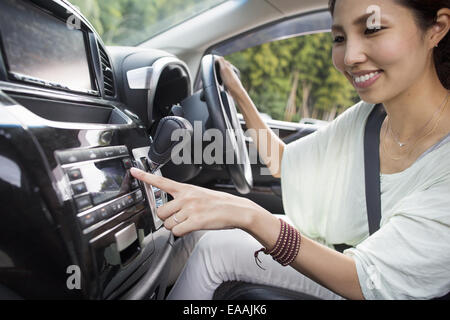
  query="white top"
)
[{"x": 323, "y": 187}]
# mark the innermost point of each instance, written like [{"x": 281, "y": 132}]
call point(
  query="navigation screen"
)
[
  {"x": 106, "y": 180},
  {"x": 43, "y": 47}
]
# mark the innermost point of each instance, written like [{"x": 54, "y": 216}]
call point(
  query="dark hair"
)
[{"x": 425, "y": 12}]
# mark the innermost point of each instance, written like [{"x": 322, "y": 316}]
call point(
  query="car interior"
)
[{"x": 77, "y": 114}]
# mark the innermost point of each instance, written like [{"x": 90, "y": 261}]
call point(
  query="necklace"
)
[
  {"x": 402, "y": 144},
  {"x": 424, "y": 136}
]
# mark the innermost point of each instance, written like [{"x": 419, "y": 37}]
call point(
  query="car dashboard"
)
[{"x": 75, "y": 116}]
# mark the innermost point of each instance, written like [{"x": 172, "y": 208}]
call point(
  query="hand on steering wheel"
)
[
  {"x": 229, "y": 76},
  {"x": 223, "y": 115}
]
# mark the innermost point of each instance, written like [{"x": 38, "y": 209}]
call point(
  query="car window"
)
[
  {"x": 294, "y": 79},
  {"x": 287, "y": 68},
  {"x": 130, "y": 22}
]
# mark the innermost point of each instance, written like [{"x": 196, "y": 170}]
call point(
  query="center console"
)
[
  {"x": 115, "y": 212},
  {"x": 75, "y": 223}
]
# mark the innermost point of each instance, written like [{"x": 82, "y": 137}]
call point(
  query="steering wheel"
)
[{"x": 223, "y": 115}]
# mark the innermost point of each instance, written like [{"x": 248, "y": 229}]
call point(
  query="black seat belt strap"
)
[
  {"x": 372, "y": 166},
  {"x": 371, "y": 170}
]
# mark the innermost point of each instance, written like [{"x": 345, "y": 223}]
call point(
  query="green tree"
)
[{"x": 295, "y": 78}]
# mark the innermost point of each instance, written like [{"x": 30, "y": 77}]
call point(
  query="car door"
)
[{"x": 287, "y": 69}]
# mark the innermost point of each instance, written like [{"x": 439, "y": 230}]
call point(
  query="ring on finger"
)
[{"x": 175, "y": 218}]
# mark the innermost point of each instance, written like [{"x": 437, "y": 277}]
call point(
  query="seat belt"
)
[
  {"x": 372, "y": 166},
  {"x": 371, "y": 170}
]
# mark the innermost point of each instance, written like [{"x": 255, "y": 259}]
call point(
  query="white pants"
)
[{"x": 228, "y": 255}]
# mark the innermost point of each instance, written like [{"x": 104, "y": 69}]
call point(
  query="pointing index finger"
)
[{"x": 162, "y": 183}]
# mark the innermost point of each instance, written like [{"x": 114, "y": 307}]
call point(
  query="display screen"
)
[
  {"x": 40, "y": 46},
  {"x": 106, "y": 180}
]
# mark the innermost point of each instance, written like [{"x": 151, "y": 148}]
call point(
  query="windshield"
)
[{"x": 130, "y": 22}]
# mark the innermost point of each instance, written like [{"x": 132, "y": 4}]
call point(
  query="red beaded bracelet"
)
[{"x": 286, "y": 248}]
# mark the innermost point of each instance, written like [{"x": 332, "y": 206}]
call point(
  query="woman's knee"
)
[
  {"x": 226, "y": 242},
  {"x": 226, "y": 254}
]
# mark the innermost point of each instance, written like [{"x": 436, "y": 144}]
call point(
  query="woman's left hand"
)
[{"x": 195, "y": 208}]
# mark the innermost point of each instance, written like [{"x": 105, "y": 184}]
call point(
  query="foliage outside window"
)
[{"x": 294, "y": 79}]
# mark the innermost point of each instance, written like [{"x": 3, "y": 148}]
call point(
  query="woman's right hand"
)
[{"x": 229, "y": 77}]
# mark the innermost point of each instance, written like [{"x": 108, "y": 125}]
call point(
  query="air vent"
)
[{"x": 108, "y": 78}]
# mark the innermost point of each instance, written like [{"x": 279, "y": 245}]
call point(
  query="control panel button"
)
[
  {"x": 127, "y": 163},
  {"x": 106, "y": 137},
  {"x": 114, "y": 208},
  {"x": 159, "y": 202},
  {"x": 109, "y": 152},
  {"x": 129, "y": 200},
  {"x": 66, "y": 157},
  {"x": 123, "y": 202},
  {"x": 134, "y": 184},
  {"x": 138, "y": 196},
  {"x": 91, "y": 154},
  {"x": 74, "y": 174},
  {"x": 79, "y": 188},
  {"x": 122, "y": 150},
  {"x": 120, "y": 205},
  {"x": 88, "y": 219},
  {"x": 104, "y": 213},
  {"x": 79, "y": 155},
  {"x": 157, "y": 192},
  {"x": 83, "y": 202}
]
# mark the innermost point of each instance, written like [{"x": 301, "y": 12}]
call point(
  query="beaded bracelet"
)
[{"x": 286, "y": 248}]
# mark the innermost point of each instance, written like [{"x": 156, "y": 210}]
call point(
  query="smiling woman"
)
[{"x": 130, "y": 22}]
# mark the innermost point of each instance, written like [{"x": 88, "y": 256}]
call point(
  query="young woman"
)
[{"x": 404, "y": 64}]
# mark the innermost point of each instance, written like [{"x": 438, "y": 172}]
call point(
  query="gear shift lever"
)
[{"x": 162, "y": 146}]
